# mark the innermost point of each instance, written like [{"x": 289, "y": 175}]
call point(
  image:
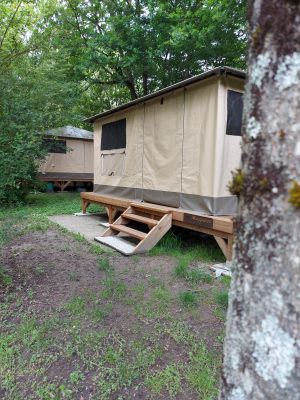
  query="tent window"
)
[
  {"x": 55, "y": 146},
  {"x": 114, "y": 135},
  {"x": 113, "y": 163},
  {"x": 234, "y": 113}
]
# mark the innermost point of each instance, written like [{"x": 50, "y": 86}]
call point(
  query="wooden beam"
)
[
  {"x": 111, "y": 213},
  {"x": 225, "y": 246}
]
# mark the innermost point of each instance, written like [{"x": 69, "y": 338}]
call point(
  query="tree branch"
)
[{"x": 10, "y": 23}]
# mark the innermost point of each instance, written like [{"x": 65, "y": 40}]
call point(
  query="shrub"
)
[{"x": 18, "y": 155}]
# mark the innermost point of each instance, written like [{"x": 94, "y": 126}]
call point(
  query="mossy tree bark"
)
[{"x": 262, "y": 345}]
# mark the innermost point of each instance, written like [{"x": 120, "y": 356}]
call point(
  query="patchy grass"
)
[
  {"x": 79, "y": 322},
  {"x": 48, "y": 204},
  {"x": 201, "y": 374},
  {"x": 188, "y": 299},
  {"x": 180, "y": 246},
  {"x": 167, "y": 380},
  {"x": 195, "y": 276}
]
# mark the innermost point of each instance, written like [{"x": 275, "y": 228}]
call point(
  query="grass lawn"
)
[{"x": 79, "y": 322}]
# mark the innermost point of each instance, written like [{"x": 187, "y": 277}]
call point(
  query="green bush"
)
[{"x": 19, "y": 155}]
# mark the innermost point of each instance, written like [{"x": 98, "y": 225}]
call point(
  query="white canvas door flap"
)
[
  {"x": 163, "y": 137},
  {"x": 201, "y": 108}
]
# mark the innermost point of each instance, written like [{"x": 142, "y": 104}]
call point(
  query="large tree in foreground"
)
[{"x": 262, "y": 346}]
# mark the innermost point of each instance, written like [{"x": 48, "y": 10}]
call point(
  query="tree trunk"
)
[{"x": 262, "y": 345}]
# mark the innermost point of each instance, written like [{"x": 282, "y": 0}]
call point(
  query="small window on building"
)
[
  {"x": 55, "y": 145},
  {"x": 234, "y": 113},
  {"x": 114, "y": 135}
]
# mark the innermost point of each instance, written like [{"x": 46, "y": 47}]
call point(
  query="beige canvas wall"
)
[
  {"x": 162, "y": 158},
  {"x": 79, "y": 158},
  {"x": 201, "y": 110},
  {"x": 132, "y": 175},
  {"x": 228, "y": 148}
]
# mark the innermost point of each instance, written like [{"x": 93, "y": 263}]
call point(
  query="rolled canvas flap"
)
[{"x": 200, "y": 204}]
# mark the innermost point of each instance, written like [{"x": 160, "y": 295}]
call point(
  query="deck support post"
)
[
  {"x": 62, "y": 184},
  {"x": 225, "y": 246},
  {"x": 111, "y": 213},
  {"x": 85, "y": 205}
]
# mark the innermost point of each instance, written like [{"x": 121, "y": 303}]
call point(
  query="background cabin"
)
[{"x": 70, "y": 158}]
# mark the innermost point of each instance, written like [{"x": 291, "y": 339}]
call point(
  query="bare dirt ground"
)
[{"x": 80, "y": 325}]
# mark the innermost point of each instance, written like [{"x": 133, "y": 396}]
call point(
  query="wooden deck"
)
[
  {"x": 63, "y": 179},
  {"x": 222, "y": 228}
]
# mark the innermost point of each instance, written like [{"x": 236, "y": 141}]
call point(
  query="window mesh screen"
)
[
  {"x": 114, "y": 135},
  {"x": 234, "y": 113},
  {"x": 55, "y": 146}
]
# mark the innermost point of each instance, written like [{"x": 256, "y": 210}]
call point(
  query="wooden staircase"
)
[{"x": 153, "y": 223}]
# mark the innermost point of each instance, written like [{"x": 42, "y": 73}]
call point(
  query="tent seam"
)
[{"x": 183, "y": 122}]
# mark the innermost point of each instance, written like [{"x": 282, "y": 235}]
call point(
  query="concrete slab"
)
[{"x": 88, "y": 226}]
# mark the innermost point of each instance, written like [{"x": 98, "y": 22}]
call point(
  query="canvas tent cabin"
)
[
  {"x": 70, "y": 158},
  {"x": 175, "y": 147}
]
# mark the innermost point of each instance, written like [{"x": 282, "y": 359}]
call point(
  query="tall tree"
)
[
  {"x": 262, "y": 345},
  {"x": 144, "y": 45}
]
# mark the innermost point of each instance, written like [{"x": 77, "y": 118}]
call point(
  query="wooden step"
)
[
  {"x": 131, "y": 232},
  {"x": 151, "y": 207},
  {"x": 140, "y": 218},
  {"x": 118, "y": 243},
  {"x": 145, "y": 240}
]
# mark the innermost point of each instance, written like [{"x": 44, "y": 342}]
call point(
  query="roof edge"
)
[{"x": 215, "y": 71}]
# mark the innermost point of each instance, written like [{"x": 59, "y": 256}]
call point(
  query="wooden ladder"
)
[{"x": 155, "y": 220}]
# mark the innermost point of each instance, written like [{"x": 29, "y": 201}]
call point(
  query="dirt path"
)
[{"x": 77, "y": 325}]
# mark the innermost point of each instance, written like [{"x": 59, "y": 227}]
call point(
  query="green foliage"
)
[
  {"x": 176, "y": 245},
  {"x": 295, "y": 195},
  {"x": 76, "y": 306},
  {"x": 146, "y": 45},
  {"x": 5, "y": 279},
  {"x": 202, "y": 373},
  {"x": 19, "y": 153},
  {"x": 188, "y": 299},
  {"x": 113, "y": 288},
  {"x": 196, "y": 276},
  {"x": 104, "y": 264},
  {"x": 60, "y": 61},
  {"x": 221, "y": 298},
  {"x": 168, "y": 379},
  {"x": 236, "y": 185},
  {"x": 76, "y": 377}
]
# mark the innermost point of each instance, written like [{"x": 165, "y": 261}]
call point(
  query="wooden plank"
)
[
  {"x": 118, "y": 243},
  {"x": 199, "y": 220},
  {"x": 131, "y": 232},
  {"x": 224, "y": 224},
  {"x": 111, "y": 213},
  {"x": 221, "y": 226},
  {"x": 230, "y": 248},
  {"x": 156, "y": 233},
  {"x": 140, "y": 218},
  {"x": 106, "y": 200},
  {"x": 66, "y": 176},
  {"x": 222, "y": 244},
  {"x": 226, "y": 247},
  {"x": 197, "y": 228},
  {"x": 151, "y": 207}
]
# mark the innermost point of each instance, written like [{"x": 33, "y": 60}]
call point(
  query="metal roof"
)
[
  {"x": 216, "y": 71},
  {"x": 70, "y": 132}
]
